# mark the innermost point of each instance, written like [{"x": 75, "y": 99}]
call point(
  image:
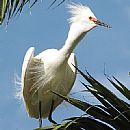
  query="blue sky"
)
[{"x": 47, "y": 28}]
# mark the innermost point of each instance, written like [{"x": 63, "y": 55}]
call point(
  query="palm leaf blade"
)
[
  {"x": 92, "y": 110},
  {"x": 121, "y": 88},
  {"x": 89, "y": 123},
  {"x": 3, "y": 8},
  {"x": 119, "y": 104},
  {"x": 10, "y": 8}
]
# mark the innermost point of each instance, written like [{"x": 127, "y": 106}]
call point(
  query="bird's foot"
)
[{"x": 50, "y": 114}]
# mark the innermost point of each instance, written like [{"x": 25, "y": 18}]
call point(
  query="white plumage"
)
[
  {"x": 44, "y": 74},
  {"x": 53, "y": 69},
  {"x": 79, "y": 12}
]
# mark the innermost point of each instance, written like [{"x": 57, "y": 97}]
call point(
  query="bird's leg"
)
[
  {"x": 40, "y": 115},
  {"x": 50, "y": 114}
]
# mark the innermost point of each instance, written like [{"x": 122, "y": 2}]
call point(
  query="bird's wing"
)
[
  {"x": 32, "y": 71},
  {"x": 27, "y": 59},
  {"x": 72, "y": 71},
  {"x": 73, "y": 62}
]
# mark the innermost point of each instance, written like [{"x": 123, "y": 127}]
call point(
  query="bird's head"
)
[{"x": 84, "y": 17}]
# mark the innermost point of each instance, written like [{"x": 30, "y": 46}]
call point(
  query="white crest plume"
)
[{"x": 79, "y": 12}]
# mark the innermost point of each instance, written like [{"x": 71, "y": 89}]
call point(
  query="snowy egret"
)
[{"x": 52, "y": 69}]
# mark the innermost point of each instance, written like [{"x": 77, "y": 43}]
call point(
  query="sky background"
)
[{"x": 47, "y": 28}]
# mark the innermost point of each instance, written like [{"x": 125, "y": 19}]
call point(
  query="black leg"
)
[
  {"x": 50, "y": 114},
  {"x": 40, "y": 115}
]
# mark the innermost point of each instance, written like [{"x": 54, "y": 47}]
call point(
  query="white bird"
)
[{"x": 52, "y": 69}]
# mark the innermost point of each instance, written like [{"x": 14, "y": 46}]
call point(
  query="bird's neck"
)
[{"x": 74, "y": 36}]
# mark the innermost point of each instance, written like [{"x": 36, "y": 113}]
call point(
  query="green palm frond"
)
[
  {"x": 10, "y": 8},
  {"x": 112, "y": 112},
  {"x": 121, "y": 88},
  {"x": 3, "y": 8}
]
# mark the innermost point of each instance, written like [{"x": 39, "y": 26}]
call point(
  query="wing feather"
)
[
  {"x": 27, "y": 59},
  {"x": 72, "y": 74},
  {"x": 32, "y": 70}
]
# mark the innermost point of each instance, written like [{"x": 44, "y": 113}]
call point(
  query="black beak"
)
[{"x": 102, "y": 24}]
